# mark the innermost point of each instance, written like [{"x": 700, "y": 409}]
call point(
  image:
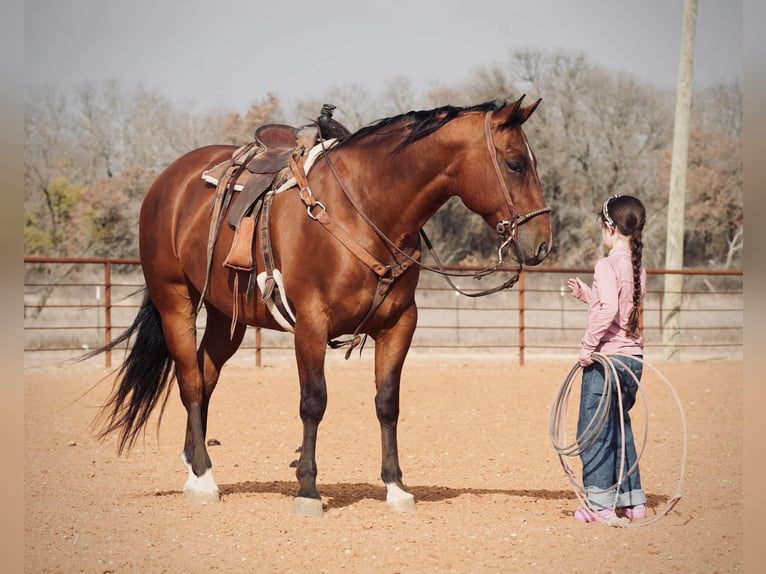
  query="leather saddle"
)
[
  {"x": 266, "y": 159},
  {"x": 253, "y": 170}
]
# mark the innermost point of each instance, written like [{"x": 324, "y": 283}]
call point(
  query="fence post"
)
[
  {"x": 257, "y": 346},
  {"x": 521, "y": 320},
  {"x": 108, "y": 312}
]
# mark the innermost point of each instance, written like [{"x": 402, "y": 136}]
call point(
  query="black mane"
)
[{"x": 421, "y": 123}]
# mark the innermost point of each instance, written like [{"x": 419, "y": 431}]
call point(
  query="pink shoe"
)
[
  {"x": 635, "y": 512},
  {"x": 586, "y": 515}
]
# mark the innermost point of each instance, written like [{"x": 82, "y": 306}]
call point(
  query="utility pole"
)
[{"x": 674, "y": 250}]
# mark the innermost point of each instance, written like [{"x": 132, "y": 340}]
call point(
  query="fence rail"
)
[{"x": 75, "y": 304}]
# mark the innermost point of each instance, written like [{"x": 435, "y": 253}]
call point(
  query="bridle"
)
[
  {"x": 506, "y": 229},
  {"x": 516, "y": 219}
]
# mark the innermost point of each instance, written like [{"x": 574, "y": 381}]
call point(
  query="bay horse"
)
[{"x": 378, "y": 187}]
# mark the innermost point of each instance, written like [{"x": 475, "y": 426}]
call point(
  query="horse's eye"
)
[{"x": 515, "y": 166}]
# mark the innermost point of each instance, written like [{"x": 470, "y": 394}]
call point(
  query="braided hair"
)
[{"x": 628, "y": 215}]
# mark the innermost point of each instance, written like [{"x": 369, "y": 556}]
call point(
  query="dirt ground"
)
[{"x": 475, "y": 449}]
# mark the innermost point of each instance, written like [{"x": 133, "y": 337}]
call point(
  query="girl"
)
[{"x": 614, "y": 300}]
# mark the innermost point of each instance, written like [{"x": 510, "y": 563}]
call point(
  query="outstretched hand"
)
[{"x": 577, "y": 287}]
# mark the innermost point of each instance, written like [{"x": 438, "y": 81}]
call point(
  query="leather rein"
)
[{"x": 506, "y": 230}]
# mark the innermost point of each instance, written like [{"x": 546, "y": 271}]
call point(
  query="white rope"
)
[{"x": 558, "y": 433}]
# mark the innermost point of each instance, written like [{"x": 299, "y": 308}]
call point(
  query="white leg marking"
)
[
  {"x": 398, "y": 499},
  {"x": 200, "y": 489}
]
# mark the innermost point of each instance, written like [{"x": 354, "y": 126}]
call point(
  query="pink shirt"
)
[{"x": 610, "y": 300}]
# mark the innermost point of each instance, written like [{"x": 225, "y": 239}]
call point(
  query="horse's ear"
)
[
  {"x": 529, "y": 110},
  {"x": 514, "y": 114}
]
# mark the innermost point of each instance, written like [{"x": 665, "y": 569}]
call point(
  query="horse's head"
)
[
  {"x": 479, "y": 153},
  {"x": 504, "y": 187}
]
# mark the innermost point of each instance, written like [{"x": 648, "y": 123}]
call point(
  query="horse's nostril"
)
[{"x": 542, "y": 251}]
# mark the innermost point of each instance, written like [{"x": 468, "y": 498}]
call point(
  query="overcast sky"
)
[{"x": 232, "y": 52}]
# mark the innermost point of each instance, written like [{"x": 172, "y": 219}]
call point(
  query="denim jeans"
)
[{"x": 601, "y": 460}]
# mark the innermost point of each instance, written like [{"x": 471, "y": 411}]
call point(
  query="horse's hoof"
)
[
  {"x": 201, "y": 489},
  {"x": 202, "y": 496},
  {"x": 402, "y": 504},
  {"x": 307, "y": 506},
  {"x": 399, "y": 500}
]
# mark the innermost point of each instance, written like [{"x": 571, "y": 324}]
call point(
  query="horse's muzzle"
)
[{"x": 534, "y": 256}]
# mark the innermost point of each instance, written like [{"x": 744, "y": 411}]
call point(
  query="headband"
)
[{"x": 605, "y": 210}]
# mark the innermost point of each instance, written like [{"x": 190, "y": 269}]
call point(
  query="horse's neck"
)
[{"x": 404, "y": 189}]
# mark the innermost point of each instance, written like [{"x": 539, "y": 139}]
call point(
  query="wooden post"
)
[{"x": 674, "y": 249}]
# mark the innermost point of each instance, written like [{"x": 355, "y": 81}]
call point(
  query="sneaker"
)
[
  {"x": 587, "y": 515},
  {"x": 635, "y": 512}
]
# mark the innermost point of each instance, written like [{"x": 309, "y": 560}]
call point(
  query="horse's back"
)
[
  {"x": 189, "y": 168},
  {"x": 184, "y": 176},
  {"x": 214, "y": 153},
  {"x": 175, "y": 213},
  {"x": 181, "y": 185}
]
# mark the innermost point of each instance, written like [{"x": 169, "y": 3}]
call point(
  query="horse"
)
[{"x": 346, "y": 240}]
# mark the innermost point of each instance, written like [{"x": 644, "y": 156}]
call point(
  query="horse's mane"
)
[{"x": 420, "y": 123}]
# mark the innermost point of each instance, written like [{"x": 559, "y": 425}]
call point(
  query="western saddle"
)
[{"x": 243, "y": 185}]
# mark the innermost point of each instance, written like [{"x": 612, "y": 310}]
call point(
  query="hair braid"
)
[
  {"x": 637, "y": 247},
  {"x": 628, "y": 215}
]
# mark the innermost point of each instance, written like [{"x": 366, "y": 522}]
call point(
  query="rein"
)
[
  {"x": 506, "y": 230},
  {"x": 387, "y": 274}
]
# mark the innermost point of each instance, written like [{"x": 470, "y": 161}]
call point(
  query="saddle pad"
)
[{"x": 214, "y": 174}]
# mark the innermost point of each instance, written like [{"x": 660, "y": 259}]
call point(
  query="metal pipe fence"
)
[{"x": 72, "y": 305}]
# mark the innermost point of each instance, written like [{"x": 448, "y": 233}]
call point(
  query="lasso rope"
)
[{"x": 595, "y": 426}]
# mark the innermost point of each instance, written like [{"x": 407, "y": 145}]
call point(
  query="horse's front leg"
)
[
  {"x": 391, "y": 347},
  {"x": 310, "y": 350}
]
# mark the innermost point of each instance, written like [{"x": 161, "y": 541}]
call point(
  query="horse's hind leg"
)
[
  {"x": 216, "y": 348},
  {"x": 179, "y": 326},
  {"x": 391, "y": 349}
]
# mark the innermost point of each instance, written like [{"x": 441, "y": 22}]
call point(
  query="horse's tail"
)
[{"x": 143, "y": 381}]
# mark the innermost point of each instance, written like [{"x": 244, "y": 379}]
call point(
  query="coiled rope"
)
[{"x": 558, "y": 433}]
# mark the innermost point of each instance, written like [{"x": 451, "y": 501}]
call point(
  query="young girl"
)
[{"x": 614, "y": 300}]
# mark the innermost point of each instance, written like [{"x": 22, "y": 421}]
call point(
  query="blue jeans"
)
[{"x": 601, "y": 460}]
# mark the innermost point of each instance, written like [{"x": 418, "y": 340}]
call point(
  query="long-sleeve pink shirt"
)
[{"x": 610, "y": 300}]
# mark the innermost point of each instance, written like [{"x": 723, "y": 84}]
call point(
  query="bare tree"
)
[
  {"x": 714, "y": 186},
  {"x": 438, "y": 95},
  {"x": 240, "y": 129},
  {"x": 355, "y": 106},
  {"x": 90, "y": 157},
  {"x": 596, "y": 133},
  {"x": 398, "y": 97}
]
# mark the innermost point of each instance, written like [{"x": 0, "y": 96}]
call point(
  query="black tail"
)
[{"x": 143, "y": 380}]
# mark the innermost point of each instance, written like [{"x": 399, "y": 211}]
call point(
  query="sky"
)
[{"x": 230, "y": 53}]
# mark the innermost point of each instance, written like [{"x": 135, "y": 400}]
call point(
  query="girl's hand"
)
[
  {"x": 577, "y": 287},
  {"x": 586, "y": 358}
]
